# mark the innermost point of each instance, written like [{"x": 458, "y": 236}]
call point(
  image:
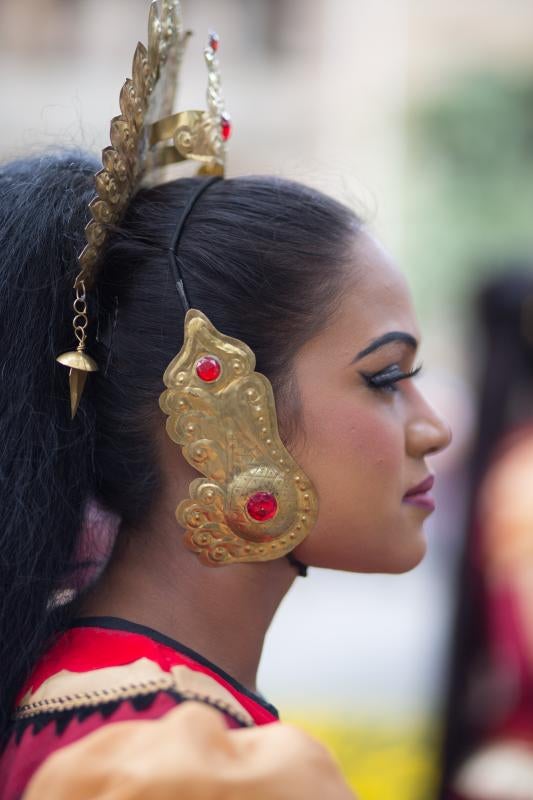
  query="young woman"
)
[
  {"x": 242, "y": 278},
  {"x": 290, "y": 272}
]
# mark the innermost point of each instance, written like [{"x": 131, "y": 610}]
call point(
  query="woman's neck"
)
[{"x": 222, "y": 613}]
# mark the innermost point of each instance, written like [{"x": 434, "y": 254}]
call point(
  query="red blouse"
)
[{"x": 86, "y": 650}]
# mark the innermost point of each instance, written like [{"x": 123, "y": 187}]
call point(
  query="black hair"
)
[
  {"x": 264, "y": 258},
  {"x": 503, "y": 311}
]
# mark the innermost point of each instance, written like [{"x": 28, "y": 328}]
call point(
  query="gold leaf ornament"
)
[
  {"x": 228, "y": 431},
  {"x": 146, "y": 102}
]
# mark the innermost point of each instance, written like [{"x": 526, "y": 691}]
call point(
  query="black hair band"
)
[
  {"x": 173, "y": 248},
  {"x": 180, "y": 286}
]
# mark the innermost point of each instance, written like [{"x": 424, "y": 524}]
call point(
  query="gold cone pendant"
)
[{"x": 80, "y": 364}]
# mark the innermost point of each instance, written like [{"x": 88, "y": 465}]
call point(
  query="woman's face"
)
[{"x": 364, "y": 434}]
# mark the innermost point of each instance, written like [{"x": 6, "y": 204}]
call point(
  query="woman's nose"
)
[{"x": 427, "y": 433}]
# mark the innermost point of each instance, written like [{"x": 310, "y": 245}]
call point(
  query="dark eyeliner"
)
[{"x": 387, "y": 378}]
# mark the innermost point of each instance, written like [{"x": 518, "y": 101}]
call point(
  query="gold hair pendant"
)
[
  {"x": 255, "y": 503},
  {"x": 79, "y": 362}
]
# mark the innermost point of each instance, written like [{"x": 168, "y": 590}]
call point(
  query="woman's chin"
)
[
  {"x": 407, "y": 554},
  {"x": 409, "y": 560},
  {"x": 395, "y": 557}
]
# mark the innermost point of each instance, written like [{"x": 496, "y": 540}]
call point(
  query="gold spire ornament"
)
[
  {"x": 138, "y": 146},
  {"x": 255, "y": 503},
  {"x": 197, "y": 135},
  {"x": 79, "y": 362}
]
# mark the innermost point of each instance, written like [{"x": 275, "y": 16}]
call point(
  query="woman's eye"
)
[{"x": 387, "y": 379}]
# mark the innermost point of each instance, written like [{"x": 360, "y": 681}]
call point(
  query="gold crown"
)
[
  {"x": 146, "y": 136},
  {"x": 141, "y": 134}
]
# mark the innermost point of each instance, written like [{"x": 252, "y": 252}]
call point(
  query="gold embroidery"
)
[{"x": 68, "y": 690}]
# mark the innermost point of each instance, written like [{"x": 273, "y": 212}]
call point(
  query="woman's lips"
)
[
  {"x": 419, "y": 495},
  {"x": 421, "y": 500}
]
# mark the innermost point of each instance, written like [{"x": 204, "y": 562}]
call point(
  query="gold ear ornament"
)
[{"x": 255, "y": 503}]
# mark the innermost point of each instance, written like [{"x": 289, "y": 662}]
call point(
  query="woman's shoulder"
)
[{"x": 100, "y": 672}]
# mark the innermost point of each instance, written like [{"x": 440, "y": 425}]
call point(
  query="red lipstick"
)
[{"x": 419, "y": 495}]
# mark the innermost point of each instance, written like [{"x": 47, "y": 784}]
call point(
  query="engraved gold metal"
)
[
  {"x": 147, "y": 97},
  {"x": 228, "y": 431},
  {"x": 196, "y": 135},
  {"x": 149, "y": 92}
]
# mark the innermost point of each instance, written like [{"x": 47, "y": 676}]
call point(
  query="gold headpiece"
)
[
  {"x": 256, "y": 504},
  {"x": 140, "y": 138}
]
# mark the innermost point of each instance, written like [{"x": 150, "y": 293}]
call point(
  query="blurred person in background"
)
[
  {"x": 193, "y": 281},
  {"x": 488, "y": 746}
]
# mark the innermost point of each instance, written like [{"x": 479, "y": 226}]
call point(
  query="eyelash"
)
[{"x": 385, "y": 380}]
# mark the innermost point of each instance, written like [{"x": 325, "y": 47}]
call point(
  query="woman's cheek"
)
[
  {"x": 352, "y": 448},
  {"x": 369, "y": 436}
]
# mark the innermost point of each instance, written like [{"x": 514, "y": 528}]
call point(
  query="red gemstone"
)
[
  {"x": 225, "y": 125},
  {"x": 208, "y": 368},
  {"x": 214, "y": 41},
  {"x": 262, "y": 506}
]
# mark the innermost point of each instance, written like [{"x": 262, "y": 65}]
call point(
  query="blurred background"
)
[{"x": 420, "y": 114}]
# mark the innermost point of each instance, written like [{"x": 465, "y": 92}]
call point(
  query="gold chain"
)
[{"x": 80, "y": 320}]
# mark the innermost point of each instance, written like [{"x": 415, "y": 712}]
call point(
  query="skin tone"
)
[{"x": 363, "y": 447}]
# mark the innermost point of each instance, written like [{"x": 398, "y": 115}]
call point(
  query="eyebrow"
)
[{"x": 387, "y": 338}]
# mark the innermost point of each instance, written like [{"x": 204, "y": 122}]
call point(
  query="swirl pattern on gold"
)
[
  {"x": 123, "y": 162},
  {"x": 228, "y": 431}
]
